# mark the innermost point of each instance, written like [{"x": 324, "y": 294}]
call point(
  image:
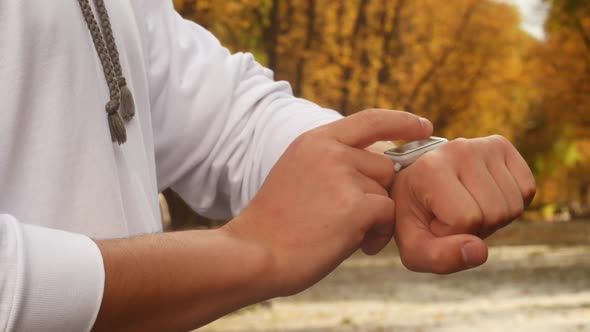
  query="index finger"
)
[{"x": 367, "y": 127}]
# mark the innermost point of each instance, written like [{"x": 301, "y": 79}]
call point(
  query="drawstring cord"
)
[{"x": 121, "y": 97}]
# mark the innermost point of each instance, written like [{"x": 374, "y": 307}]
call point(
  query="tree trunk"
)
[
  {"x": 440, "y": 61},
  {"x": 300, "y": 67},
  {"x": 361, "y": 21},
  {"x": 270, "y": 36}
]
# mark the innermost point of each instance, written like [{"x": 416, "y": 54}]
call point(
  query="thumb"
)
[
  {"x": 367, "y": 127},
  {"x": 421, "y": 251}
]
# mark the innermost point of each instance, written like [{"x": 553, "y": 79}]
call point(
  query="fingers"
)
[
  {"x": 511, "y": 192},
  {"x": 375, "y": 241},
  {"x": 370, "y": 186},
  {"x": 458, "y": 213},
  {"x": 480, "y": 166},
  {"x": 421, "y": 251},
  {"x": 488, "y": 196},
  {"x": 520, "y": 171},
  {"x": 467, "y": 188},
  {"x": 380, "y": 147},
  {"x": 441, "y": 200},
  {"x": 367, "y": 127},
  {"x": 497, "y": 151},
  {"x": 382, "y": 223},
  {"x": 374, "y": 166},
  {"x": 381, "y": 230}
]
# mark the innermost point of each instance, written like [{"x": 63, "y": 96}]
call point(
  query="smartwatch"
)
[{"x": 403, "y": 156}]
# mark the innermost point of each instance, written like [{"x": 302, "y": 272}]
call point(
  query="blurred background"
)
[{"x": 520, "y": 68}]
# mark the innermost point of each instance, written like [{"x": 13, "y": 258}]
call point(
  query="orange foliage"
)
[{"x": 465, "y": 64}]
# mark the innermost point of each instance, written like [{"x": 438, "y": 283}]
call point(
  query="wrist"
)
[{"x": 259, "y": 276}]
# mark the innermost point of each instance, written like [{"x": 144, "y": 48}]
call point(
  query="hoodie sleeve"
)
[
  {"x": 220, "y": 121},
  {"x": 50, "y": 280}
]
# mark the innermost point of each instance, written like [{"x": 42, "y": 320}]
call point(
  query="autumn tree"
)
[
  {"x": 558, "y": 137},
  {"x": 465, "y": 64}
]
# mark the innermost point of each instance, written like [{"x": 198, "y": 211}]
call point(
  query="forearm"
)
[{"x": 179, "y": 281}]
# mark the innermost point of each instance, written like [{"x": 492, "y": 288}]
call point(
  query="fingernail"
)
[{"x": 468, "y": 252}]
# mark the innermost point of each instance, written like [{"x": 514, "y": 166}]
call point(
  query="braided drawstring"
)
[
  {"x": 109, "y": 59},
  {"x": 127, "y": 104}
]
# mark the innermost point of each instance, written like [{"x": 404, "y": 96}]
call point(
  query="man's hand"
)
[
  {"x": 326, "y": 197},
  {"x": 453, "y": 197},
  {"x": 320, "y": 202}
]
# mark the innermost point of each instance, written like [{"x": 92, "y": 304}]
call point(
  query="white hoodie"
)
[{"x": 208, "y": 124}]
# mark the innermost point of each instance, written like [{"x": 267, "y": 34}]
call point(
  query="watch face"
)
[{"x": 415, "y": 146}]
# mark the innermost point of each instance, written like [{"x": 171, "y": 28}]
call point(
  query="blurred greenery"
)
[{"x": 465, "y": 64}]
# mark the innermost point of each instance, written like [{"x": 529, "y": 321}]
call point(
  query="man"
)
[{"x": 302, "y": 191}]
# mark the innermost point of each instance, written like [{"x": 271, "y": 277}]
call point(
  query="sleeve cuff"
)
[{"x": 61, "y": 281}]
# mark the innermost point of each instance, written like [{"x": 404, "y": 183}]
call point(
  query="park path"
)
[{"x": 521, "y": 288}]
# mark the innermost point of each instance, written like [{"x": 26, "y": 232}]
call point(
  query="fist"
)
[{"x": 453, "y": 197}]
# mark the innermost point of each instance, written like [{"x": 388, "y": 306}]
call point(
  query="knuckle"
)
[
  {"x": 303, "y": 141},
  {"x": 468, "y": 221},
  {"x": 517, "y": 210},
  {"x": 498, "y": 216},
  {"x": 461, "y": 146},
  {"x": 435, "y": 257},
  {"x": 349, "y": 201},
  {"x": 501, "y": 145},
  {"x": 335, "y": 152},
  {"x": 437, "y": 262},
  {"x": 500, "y": 140}
]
